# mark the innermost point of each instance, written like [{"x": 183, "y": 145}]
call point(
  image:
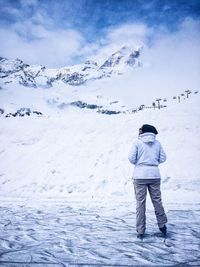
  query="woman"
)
[{"x": 146, "y": 154}]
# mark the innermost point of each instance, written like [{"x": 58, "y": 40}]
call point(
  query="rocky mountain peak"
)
[
  {"x": 38, "y": 76},
  {"x": 89, "y": 64},
  {"x": 125, "y": 56}
]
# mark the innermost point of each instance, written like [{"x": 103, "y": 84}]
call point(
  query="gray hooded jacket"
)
[{"x": 146, "y": 154}]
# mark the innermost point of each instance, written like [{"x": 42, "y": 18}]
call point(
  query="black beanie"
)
[{"x": 146, "y": 128}]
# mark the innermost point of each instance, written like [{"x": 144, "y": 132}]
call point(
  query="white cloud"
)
[
  {"x": 37, "y": 45},
  {"x": 171, "y": 66},
  {"x": 129, "y": 33},
  {"x": 174, "y": 59},
  {"x": 132, "y": 35}
]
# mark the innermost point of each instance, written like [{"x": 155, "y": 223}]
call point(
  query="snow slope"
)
[
  {"x": 66, "y": 192},
  {"x": 82, "y": 155}
]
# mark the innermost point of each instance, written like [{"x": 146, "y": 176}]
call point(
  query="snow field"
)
[
  {"x": 83, "y": 155},
  {"x": 66, "y": 192}
]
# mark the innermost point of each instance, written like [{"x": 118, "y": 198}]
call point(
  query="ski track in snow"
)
[{"x": 75, "y": 235}]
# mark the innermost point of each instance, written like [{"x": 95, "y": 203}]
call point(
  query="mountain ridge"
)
[{"x": 39, "y": 76}]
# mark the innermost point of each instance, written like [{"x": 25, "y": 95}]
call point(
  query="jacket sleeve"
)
[
  {"x": 133, "y": 153},
  {"x": 162, "y": 155}
]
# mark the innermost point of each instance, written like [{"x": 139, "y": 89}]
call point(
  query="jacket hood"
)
[{"x": 147, "y": 137}]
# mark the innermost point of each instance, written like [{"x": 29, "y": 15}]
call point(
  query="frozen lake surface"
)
[{"x": 74, "y": 234}]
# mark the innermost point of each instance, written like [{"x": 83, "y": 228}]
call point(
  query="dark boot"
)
[
  {"x": 140, "y": 236},
  {"x": 163, "y": 230}
]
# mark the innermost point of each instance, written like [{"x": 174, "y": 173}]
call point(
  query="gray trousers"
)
[{"x": 153, "y": 186}]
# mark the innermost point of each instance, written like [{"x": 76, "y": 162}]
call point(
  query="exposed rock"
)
[
  {"x": 108, "y": 112},
  {"x": 81, "y": 104},
  {"x": 23, "y": 112}
]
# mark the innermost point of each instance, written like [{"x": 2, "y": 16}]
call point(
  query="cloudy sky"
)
[{"x": 57, "y": 33}]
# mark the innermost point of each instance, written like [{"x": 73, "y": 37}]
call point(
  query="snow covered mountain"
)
[
  {"x": 64, "y": 165},
  {"x": 62, "y": 152},
  {"x": 38, "y": 76}
]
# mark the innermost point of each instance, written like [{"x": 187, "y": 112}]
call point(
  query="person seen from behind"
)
[{"x": 146, "y": 154}]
